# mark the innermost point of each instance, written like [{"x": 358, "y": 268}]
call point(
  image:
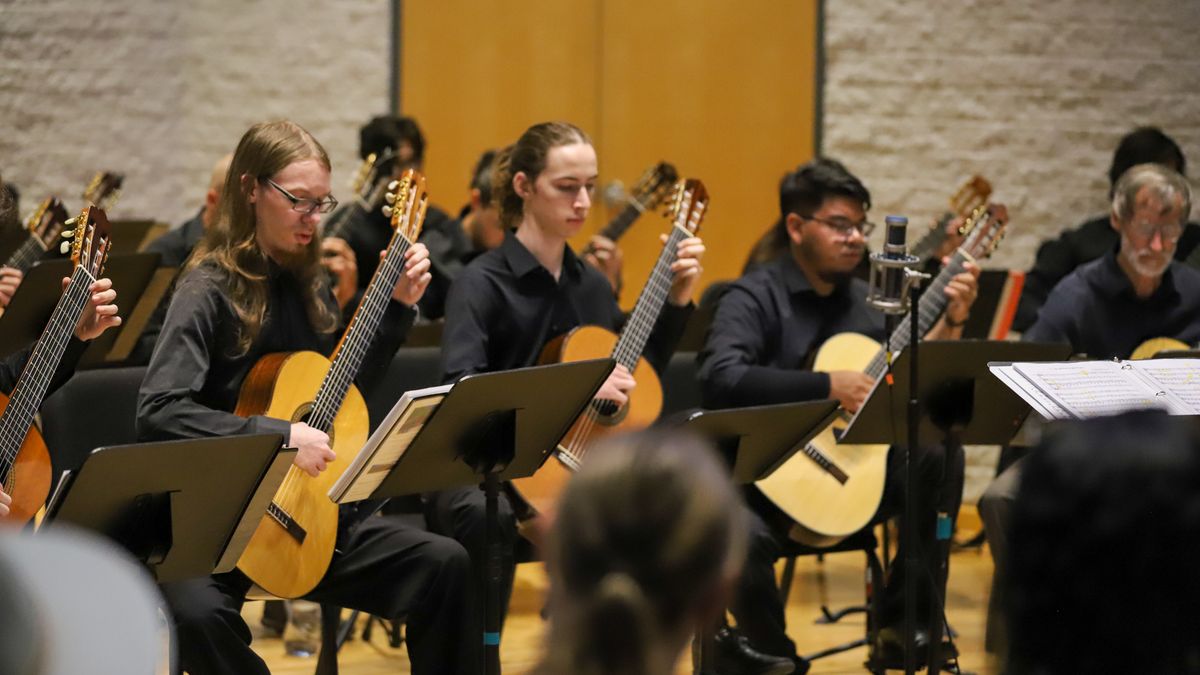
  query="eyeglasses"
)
[
  {"x": 1169, "y": 232},
  {"x": 306, "y": 206},
  {"x": 845, "y": 227}
]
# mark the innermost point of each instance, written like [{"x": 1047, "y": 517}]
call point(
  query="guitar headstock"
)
[
  {"x": 47, "y": 223},
  {"x": 374, "y": 168},
  {"x": 407, "y": 201},
  {"x": 688, "y": 205},
  {"x": 90, "y": 240},
  {"x": 971, "y": 196},
  {"x": 103, "y": 189},
  {"x": 984, "y": 228},
  {"x": 654, "y": 185}
]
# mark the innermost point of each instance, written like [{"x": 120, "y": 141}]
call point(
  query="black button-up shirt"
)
[
  {"x": 505, "y": 307},
  {"x": 195, "y": 375},
  {"x": 768, "y": 327},
  {"x": 1096, "y": 311}
]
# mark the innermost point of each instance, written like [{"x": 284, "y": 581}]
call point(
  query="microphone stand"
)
[{"x": 911, "y": 563}]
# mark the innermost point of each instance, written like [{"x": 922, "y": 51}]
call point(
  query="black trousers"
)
[
  {"x": 380, "y": 567},
  {"x": 938, "y": 478},
  {"x": 461, "y": 513}
]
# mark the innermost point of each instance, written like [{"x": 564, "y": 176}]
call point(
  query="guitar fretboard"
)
[{"x": 39, "y": 371}]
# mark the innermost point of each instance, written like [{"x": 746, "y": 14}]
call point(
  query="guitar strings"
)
[{"x": 47, "y": 354}]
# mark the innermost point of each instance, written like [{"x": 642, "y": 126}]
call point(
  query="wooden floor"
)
[{"x": 836, "y": 583}]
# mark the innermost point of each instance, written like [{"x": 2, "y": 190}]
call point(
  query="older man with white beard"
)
[{"x": 1108, "y": 307}]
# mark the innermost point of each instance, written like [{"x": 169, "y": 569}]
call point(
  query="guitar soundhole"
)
[{"x": 609, "y": 413}]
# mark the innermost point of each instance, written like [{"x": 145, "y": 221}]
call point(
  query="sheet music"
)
[
  {"x": 1041, "y": 404},
  {"x": 387, "y": 445},
  {"x": 1097, "y": 388},
  {"x": 1180, "y": 377}
]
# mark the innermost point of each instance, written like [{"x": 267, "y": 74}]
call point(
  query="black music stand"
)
[
  {"x": 953, "y": 376},
  {"x": 495, "y": 426},
  {"x": 754, "y": 441},
  {"x": 186, "y": 509},
  {"x": 37, "y": 296}
]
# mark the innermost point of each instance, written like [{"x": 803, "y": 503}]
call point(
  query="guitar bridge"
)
[
  {"x": 826, "y": 464},
  {"x": 287, "y": 522}
]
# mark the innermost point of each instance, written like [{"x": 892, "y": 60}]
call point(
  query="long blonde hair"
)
[
  {"x": 648, "y": 533},
  {"x": 231, "y": 245}
]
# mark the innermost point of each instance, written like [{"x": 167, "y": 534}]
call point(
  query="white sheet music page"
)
[
  {"x": 1097, "y": 388},
  {"x": 1041, "y": 404},
  {"x": 1179, "y": 377}
]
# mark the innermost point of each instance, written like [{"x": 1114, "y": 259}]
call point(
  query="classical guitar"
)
[
  {"x": 541, "y": 490},
  {"x": 832, "y": 490},
  {"x": 293, "y": 544},
  {"x": 46, "y": 225},
  {"x": 655, "y": 185},
  {"x": 24, "y": 461},
  {"x": 971, "y": 195}
]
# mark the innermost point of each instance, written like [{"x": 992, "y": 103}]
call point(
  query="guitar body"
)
[
  {"x": 1150, "y": 348},
  {"x": 825, "y": 510},
  {"x": 543, "y": 489},
  {"x": 30, "y": 477},
  {"x": 284, "y": 386}
]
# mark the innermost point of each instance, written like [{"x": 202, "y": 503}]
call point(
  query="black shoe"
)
[
  {"x": 733, "y": 655},
  {"x": 890, "y": 651}
]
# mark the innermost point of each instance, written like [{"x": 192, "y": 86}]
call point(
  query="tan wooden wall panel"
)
[
  {"x": 477, "y": 74},
  {"x": 726, "y": 91}
]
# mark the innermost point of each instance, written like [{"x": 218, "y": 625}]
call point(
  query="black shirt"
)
[
  {"x": 13, "y": 365},
  {"x": 505, "y": 307},
  {"x": 368, "y": 234},
  {"x": 1059, "y": 257},
  {"x": 766, "y": 330},
  {"x": 175, "y": 245},
  {"x": 1096, "y": 311},
  {"x": 194, "y": 377}
]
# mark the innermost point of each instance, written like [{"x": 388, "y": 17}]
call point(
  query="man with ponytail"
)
[
  {"x": 254, "y": 286},
  {"x": 509, "y": 302},
  {"x": 649, "y": 539}
]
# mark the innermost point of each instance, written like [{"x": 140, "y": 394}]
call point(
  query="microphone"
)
[{"x": 888, "y": 291}]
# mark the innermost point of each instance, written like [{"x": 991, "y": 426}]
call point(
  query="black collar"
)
[{"x": 522, "y": 262}]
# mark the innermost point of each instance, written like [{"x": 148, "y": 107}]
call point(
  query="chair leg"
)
[{"x": 785, "y": 581}]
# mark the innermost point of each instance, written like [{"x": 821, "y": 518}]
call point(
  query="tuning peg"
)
[
  {"x": 67, "y": 234},
  {"x": 393, "y": 185},
  {"x": 387, "y": 211},
  {"x": 64, "y": 248},
  {"x": 390, "y": 197},
  {"x": 71, "y": 222}
]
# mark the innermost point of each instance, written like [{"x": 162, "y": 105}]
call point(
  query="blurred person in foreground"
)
[
  {"x": 648, "y": 542},
  {"x": 1105, "y": 535}
]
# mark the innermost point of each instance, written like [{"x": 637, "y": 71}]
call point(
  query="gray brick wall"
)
[
  {"x": 1034, "y": 95},
  {"x": 160, "y": 90}
]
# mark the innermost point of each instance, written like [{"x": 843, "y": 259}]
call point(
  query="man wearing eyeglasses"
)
[
  {"x": 1108, "y": 307},
  {"x": 768, "y": 326}
]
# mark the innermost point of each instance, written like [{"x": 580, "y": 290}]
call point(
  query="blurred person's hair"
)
[
  {"x": 1145, "y": 145},
  {"x": 483, "y": 177},
  {"x": 1104, "y": 542},
  {"x": 9, "y": 218},
  {"x": 1164, "y": 183},
  {"x": 648, "y": 538},
  {"x": 388, "y": 132}
]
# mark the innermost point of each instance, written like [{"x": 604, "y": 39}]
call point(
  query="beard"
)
[{"x": 1145, "y": 262}]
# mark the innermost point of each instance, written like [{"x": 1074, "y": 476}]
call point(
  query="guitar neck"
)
[
  {"x": 931, "y": 240},
  {"x": 43, "y": 361},
  {"x": 619, "y": 225},
  {"x": 933, "y": 304},
  {"x": 26, "y": 254},
  {"x": 349, "y": 354},
  {"x": 649, "y": 304}
]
